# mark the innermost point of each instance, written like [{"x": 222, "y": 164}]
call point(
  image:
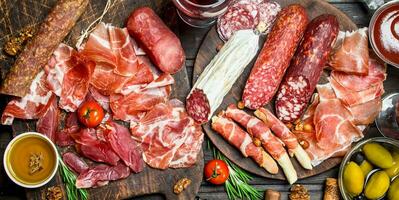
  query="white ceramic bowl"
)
[{"x": 7, "y": 153}]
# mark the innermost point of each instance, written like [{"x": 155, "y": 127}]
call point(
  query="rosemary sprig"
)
[
  {"x": 69, "y": 179},
  {"x": 237, "y": 186}
]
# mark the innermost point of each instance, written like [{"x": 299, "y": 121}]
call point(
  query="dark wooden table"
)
[{"x": 191, "y": 39}]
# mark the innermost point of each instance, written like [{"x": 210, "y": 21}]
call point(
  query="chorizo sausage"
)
[
  {"x": 157, "y": 40},
  {"x": 306, "y": 67},
  {"x": 275, "y": 56},
  {"x": 38, "y": 51}
]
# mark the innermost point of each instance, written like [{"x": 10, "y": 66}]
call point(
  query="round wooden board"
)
[{"x": 208, "y": 50}]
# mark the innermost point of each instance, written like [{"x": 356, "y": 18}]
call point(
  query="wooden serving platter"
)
[
  {"x": 23, "y": 13},
  {"x": 208, "y": 50}
]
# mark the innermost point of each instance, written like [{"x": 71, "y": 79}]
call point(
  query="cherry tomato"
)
[
  {"x": 90, "y": 113},
  {"x": 216, "y": 172}
]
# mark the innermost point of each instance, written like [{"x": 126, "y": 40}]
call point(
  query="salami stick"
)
[
  {"x": 275, "y": 56},
  {"x": 306, "y": 67},
  {"x": 282, "y": 132},
  {"x": 37, "y": 52},
  {"x": 240, "y": 139},
  {"x": 257, "y": 129}
]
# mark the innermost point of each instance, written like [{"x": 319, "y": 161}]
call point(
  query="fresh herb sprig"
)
[
  {"x": 69, "y": 179},
  {"x": 237, "y": 186}
]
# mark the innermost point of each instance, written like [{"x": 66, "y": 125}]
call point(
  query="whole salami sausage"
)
[
  {"x": 38, "y": 51},
  {"x": 306, "y": 68},
  {"x": 158, "y": 41},
  {"x": 275, "y": 56}
]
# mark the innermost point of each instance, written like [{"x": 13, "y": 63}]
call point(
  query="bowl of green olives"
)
[{"x": 370, "y": 170}]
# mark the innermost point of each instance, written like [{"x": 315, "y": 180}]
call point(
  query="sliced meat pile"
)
[
  {"x": 168, "y": 136},
  {"x": 247, "y": 14}
]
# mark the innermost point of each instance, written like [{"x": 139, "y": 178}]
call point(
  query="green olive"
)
[
  {"x": 393, "y": 192},
  {"x": 377, "y": 185},
  {"x": 366, "y": 167},
  {"x": 378, "y": 155},
  {"x": 353, "y": 178},
  {"x": 394, "y": 170}
]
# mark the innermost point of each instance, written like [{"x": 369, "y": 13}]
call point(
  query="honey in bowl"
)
[
  {"x": 384, "y": 33},
  {"x": 31, "y": 160}
]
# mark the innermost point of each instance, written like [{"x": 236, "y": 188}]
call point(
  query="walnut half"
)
[{"x": 181, "y": 185}]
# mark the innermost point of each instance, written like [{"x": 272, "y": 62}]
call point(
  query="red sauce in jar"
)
[{"x": 386, "y": 33}]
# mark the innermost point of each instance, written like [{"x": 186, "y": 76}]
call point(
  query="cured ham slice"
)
[
  {"x": 91, "y": 147},
  {"x": 31, "y": 106},
  {"x": 116, "y": 62},
  {"x": 366, "y": 113},
  {"x": 142, "y": 98},
  {"x": 351, "y": 98},
  {"x": 121, "y": 142},
  {"x": 74, "y": 162},
  {"x": 68, "y": 76},
  {"x": 285, "y": 135},
  {"x": 48, "y": 123},
  {"x": 168, "y": 136},
  {"x": 257, "y": 129},
  {"x": 237, "y": 137},
  {"x": 334, "y": 129},
  {"x": 101, "y": 174},
  {"x": 101, "y": 99},
  {"x": 375, "y": 76},
  {"x": 351, "y": 52}
]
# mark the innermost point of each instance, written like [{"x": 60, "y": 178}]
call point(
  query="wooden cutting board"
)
[
  {"x": 208, "y": 50},
  {"x": 18, "y": 14}
]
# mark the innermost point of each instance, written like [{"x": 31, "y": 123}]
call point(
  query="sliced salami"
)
[
  {"x": 291, "y": 101},
  {"x": 246, "y": 14},
  {"x": 197, "y": 106}
]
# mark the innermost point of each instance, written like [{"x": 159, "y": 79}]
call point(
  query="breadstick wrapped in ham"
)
[
  {"x": 257, "y": 129},
  {"x": 241, "y": 140},
  {"x": 285, "y": 135}
]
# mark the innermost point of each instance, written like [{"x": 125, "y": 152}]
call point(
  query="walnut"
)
[
  {"x": 299, "y": 126},
  {"x": 35, "y": 162},
  {"x": 304, "y": 144},
  {"x": 240, "y": 105},
  {"x": 54, "y": 193},
  {"x": 299, "y": 192},
  {"x": 307, "y": 128},
  {"x": 181, "y": 185}
]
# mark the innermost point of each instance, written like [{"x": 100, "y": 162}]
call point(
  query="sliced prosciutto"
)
[
  {"x": 241, "y": 140},
  {"x": 270, "y": 143},
  {"x": 366, "y": 113},
  {"x": 31, "y": 106},
  {"x": 48, "y": 123},
  {"x": 352, "y": 98},
  {"x": 112, "y": 50},
  {"x": 376, "y": 75},
  {"x": 334, "y": 129},
  {"x": 141, "y": 98},
  {"x": 74, "y": 162},
  {"x": 168, "y": 136},
  {"x": 100, "y": 98},
  {"x": 101, "y": 174},
  {"x": 285, "y": 135},
  {"x": 69, "y": 75},
  {"x": 63, "y": 137},
  {"x": 121, "y": 142},
  {"x": 351, "y": 52}
]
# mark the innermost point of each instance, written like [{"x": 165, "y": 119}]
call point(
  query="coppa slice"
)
[
  {"x": 285, "y": 135},
  {"x": 168, "y": 137},
  {"x": 75, "y": 162},
  {"x": 220, "y": 74},
  {"x": 257, "y": 129},
  {"x": 237, "y": 137}
]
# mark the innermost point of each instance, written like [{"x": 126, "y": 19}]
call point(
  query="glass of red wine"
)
[
  {"x": 200, "y": 13},
  {"x": 387, "y": 121}
]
